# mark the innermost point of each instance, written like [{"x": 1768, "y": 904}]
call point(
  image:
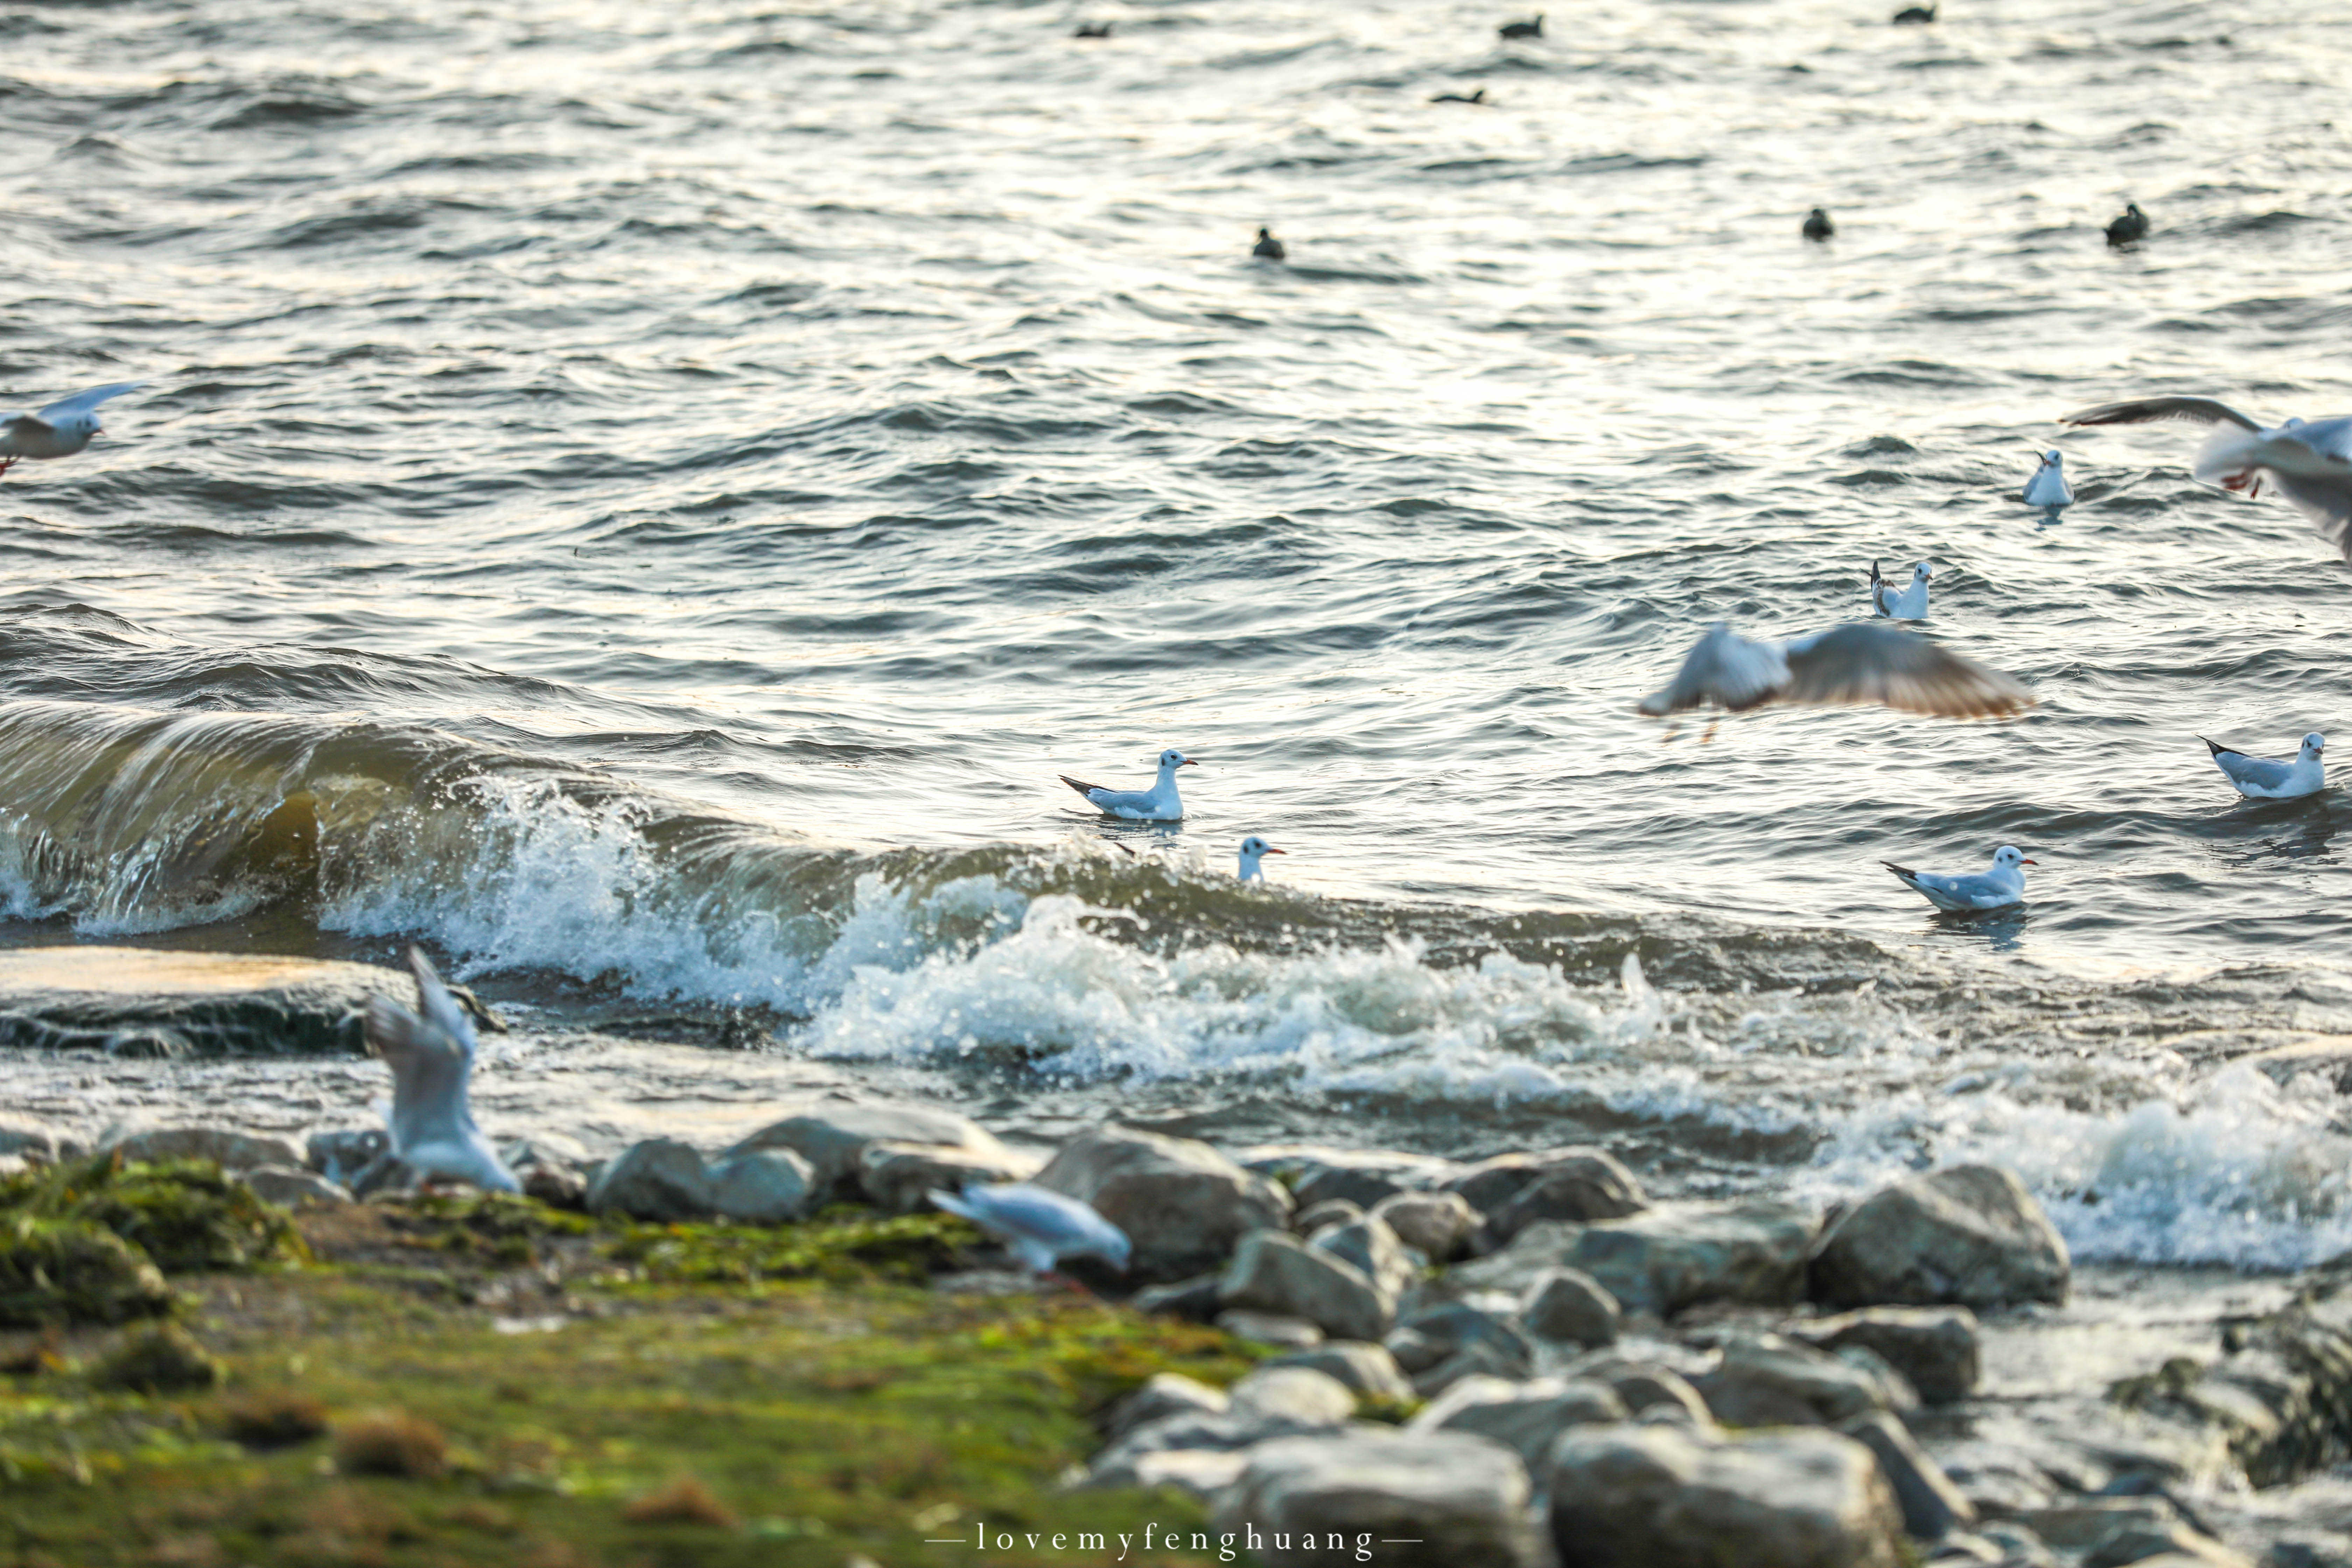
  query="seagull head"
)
[
  {"x": 1253, "y": 849},
  {"x": 2313, "y": 744},
  {"x": 1922, "y": 571},
  {"x": 2051, "y": 460},
  {"x": 1171, "y": 759},
  {"x": 2009, "y": 858}
]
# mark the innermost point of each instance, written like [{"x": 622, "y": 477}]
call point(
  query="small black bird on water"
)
[
  {"x": 2130, "y": 228},
  {"x": 1523, "y": 29},
  {"x": 1477, "y": 97},
  {"x": 1910, "y": 14},
  {"x": 1092, "y": 30},
  {"x": 1267, "y": 248},
  {"x": 1818, "y": 224}
]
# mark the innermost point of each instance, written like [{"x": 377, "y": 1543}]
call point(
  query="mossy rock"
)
[
  {"x": 841, "y": 1244},
  {"x": 164, "y": 1359},
  {"x": 70, "y": 1270},
  {"x": 186, "y": 1215}
]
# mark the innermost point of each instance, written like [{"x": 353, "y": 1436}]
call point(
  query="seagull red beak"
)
[
  {"x": 1272, "y": 851},
  {"x": 2029, "y": 862},
  {"x": 1189, "y": 763}
]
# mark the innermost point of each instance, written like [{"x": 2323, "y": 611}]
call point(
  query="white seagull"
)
[
  {"x": 1041, "y": 1227},
  {"x": 2259, "y": 778},
  {"x": 1908, "y": 603},
  {"x": 1995, "y": 889},
  {"x": 2048, "y": 487},
  {"x": 2309, "y": 461},
  {"x": 61, "y": 429},
  {"x": 1158, "y": 804},
  {"x": 1859, "y": 662},
  {"x": 1254, "y": 851},
  {"x": 431, "y": 1054}
]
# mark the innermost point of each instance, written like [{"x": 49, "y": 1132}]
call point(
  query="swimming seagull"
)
[
  {"x": 1858, "y": 662},
  {"x": 2127, "y": 227},
  {"x": 61, "y": 429},
  {"x": 1477, "y": 97},
  {"x": 1267, "y": 248},
  {"x": 1995, "y": 889},
  {"x": 431, "y": 1054},
  {"x": 2259, "y": 778},
  {"x": 1904, "y": 604},
  {"x": 2309, "y": 461},
  {"x": 1254, "y": 851},
  {"x": 1818, "y": 224},
  {"x": 1911, "y": 15},
  {"x": 1041, "y": 1227},
  {"x": 1530, "y": 29},
  {"x": 2048, "y": 487},
  {"x": 1158, "y": 804}
]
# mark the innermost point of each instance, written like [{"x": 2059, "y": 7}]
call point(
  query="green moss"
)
[
  {"x": 842, "y": 1244},
  {"x": 70, "y": 1271},
  {"x": 186, "y": 1215},
  {"x": 160, "y": 1359}
]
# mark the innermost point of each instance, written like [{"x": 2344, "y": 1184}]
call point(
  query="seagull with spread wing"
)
[
  {"x": 1858, "y": 662},
  {"x": 431, "y": 1054},
  {"x": 61, "y": 429},
  {"x": 2309, "y": 461}
]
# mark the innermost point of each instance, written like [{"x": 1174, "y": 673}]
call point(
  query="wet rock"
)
[
  {"x": 1457, "y": 1500},
  {"x": 1368, "y": 1369},
  {"x": 2083, "y": 1522},
  {"x": 1644, "y": 1385},
  {"x": 1276, "y": 1329},
  {"x": 2018, "y": 1546},
  {"x": 1769, "y": 1380},
  {"x": 1185, "y": 1207},
  {"x": 1666, "y": 1258},
  {"x": 1373, "y": 1248},
  {"x": 1438, "y": 1225},
  {"x": 1936, "y": 1348},
  {"x": 1481, "y": 1358},
  {"x": 1567, "y": 1304},
  {"x": 898, "y": 1178},
  {"x": 1273, "y": 1271},
  {"x": 1527, "y": 1417},
  {"x": 2274, "y": 1400},
  {"x": 62, "y": 1270},
  {"x": 289, "y": 1185},
  {"x": 340, "y": 1154},
  {"x": 1194, "y": 1299},
  {"x": 1297, "y": 1395},
  {"x": 1362, "y": 1176},
  {"x": 140, "y": 1000},
  {"x": 1491, "y": 1185},
  {"x": 1970, "y": 1235},
  {"x": 1667, "y": 1497},
  {"x": 224, "y": 1146},
  {"x": 1429, "y": 1337},
  {"x": 2162, "y": 1545},
  {"x": 544, "y": 1149},
  {"x": 767, "y": 1186},
  {"x": 35, "y": 1139},
  {"x": 833, "y": 1133},
  {"x": 659, "y": 1179},
  {"x": 1593, "y": 1186},
  {"x": 1283, "y": 1412},
  {"x": 1329, "y": 1212},
  {"x": 1932, "y": 1506},
  {"x": 1165, "y": 1394}
]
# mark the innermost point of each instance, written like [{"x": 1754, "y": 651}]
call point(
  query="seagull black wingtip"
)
[{"x": 2218, "y": 751}]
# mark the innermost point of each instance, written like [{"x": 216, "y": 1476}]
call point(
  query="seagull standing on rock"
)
[
  {"x": 1859, "y": 662},
  {"x": 1995, "y": 889},
  {"x": 2259, "y": 778},
  {"x": 1908, "y": 603},
  {"x": 1254, "y": 851},
  {"x": 2309, "y": 461},
  {"x": 431, "y": 1054},
  {"x": 1041, "y": 1227},
  {"x": 1158, "y": 804},
  {"x": 2048, "y": 487},
  {"x": 61, "y": 429}
]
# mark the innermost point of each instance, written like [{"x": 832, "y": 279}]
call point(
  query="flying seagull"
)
[
  {"x": 1158, "y": 804},
  {"x": 2259, "y": 778},
  {"x": 1858, "y": 662},
  {"x": 61, "y": 429},
  {"x": 1907, "y": 603},
  {"x": 2309, "y": 461},
  {"x": 1995, "y": 889},
  {"x": 1254, "y": 851},
  {"x": 1041, "y": 1227},
  {"x": 431, "y": 1054}
]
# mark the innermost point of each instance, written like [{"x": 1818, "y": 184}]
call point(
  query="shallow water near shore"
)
[{"x": 646, "y": 502}]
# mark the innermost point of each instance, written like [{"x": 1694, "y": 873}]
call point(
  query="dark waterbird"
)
[
  {"x": 1092, "y": 30},
  {"x": 1818, "y": 224},
  {"x": 1477, "y": 97},
  {"x": 1267, "y": 248},
  {"x": 2130, "y": 227},
  {"x": 1532, "y": 28},
  {"x": 1911, "y": 15}
]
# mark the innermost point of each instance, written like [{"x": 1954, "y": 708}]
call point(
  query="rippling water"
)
[{"x": 647, "y": 499}]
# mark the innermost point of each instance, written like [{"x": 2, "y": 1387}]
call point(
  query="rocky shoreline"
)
[{"x": 1526, "y": 1360}]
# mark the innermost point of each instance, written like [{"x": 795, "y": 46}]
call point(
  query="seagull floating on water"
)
[
  {"x": 61, "y": 429},
  {"x": 1995, "y": 889},
  {"x": 1092, "y": 30},
  {"x": 2128, "y": 227},
  {"x": 2309, "y": 461},
  {"x": 2048, "y": 487},
  {"x": 1477, "y": 97},
  {"x": 1528, "y": 29},
  {"x": 431, "y": 1054},
  {"x": 1818, "y": 224},
  {"x": 1254, "y": 851},
  {"x": 1857, "y": 662},
  {"x": 1267, "y": 248},
  {"x": 2259, "y": 778},
  {"x": 1911, "y": 15},
  {"x": 1909, "y": 604},
  {"x": 1158, "y": 804},
  {"x": 1041, "y": 1227}
]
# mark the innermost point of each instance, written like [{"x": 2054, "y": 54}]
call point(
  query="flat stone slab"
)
[{"x": 140, "y": 1002}]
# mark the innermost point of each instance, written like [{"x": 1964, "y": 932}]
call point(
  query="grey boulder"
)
[
  {"x": 1666, "y": 1258},
  {"x": 1569, "y": 1305},
  {"x": 1368, "y": 1369},
  {"x": 1769, "y": 1380},
  {"x": 898, "y": 1178},
  {"x": 150, "y": 1002},
  {"x": 1527, "y": 1417},
  {"x": 659, "y": 1179},
  {"x": 1184, "y": 1205},
  {"x": 1166, "y": 1394},
  {"x": 33, "y": 1138},
  {"x": 1590, "y": 1186},
  {"x": 1362, "y": 1176},
  {"x": 1297, "y": 1394},
  {"x": 767, "y": 1186},
  {"x": 224, "y": 1146},
  {"x": 1273, "y": 1271},
  {"x": 1438, "y": 1225},
  {"x": 1937, "y": 1348},
  {"x": 1970, "y": 1235},
  {"x": 833, "y": 1134},
  {"x": 1373, "y": 1248},
  {"x": 1434, "y": 1500},
  {"x": 1932, "y": 1506},
  {"x": 1606, "y": 1186},
  {"x": 289, "y": 1185}
]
